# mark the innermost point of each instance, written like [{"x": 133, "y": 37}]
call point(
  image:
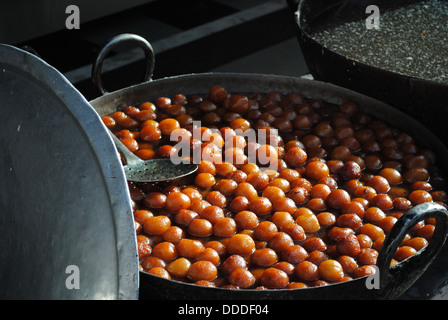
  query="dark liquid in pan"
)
[{"x": 412, "y": 39}]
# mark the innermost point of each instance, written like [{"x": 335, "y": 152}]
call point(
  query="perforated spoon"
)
[{"x": 157, "y": 170}]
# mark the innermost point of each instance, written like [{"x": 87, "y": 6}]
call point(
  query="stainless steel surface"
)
[
  {"x": 46, "y": 16},
  {"x": 155, "y": 170},
  {"x": 65, "y": 213}
]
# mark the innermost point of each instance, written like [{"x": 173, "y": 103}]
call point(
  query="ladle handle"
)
[{"x": 115, "y": 41}]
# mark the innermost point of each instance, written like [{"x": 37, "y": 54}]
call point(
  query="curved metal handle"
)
[
  {"x": 396, "y": 280},
  {"x": 117, "y": 40}
]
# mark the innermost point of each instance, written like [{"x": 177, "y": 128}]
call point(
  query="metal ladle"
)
[{"x": 156, "y": 170}]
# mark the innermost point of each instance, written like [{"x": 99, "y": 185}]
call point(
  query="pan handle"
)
[
  {"x": 117, "y": 40},
  {"x": 395, "y": 280}
]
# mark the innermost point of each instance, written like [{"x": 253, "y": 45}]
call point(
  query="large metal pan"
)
[
  {"x": 424, "y": 100},
  {"x": 394, "y": 281},
  {"x": 66, "y": 226}
]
